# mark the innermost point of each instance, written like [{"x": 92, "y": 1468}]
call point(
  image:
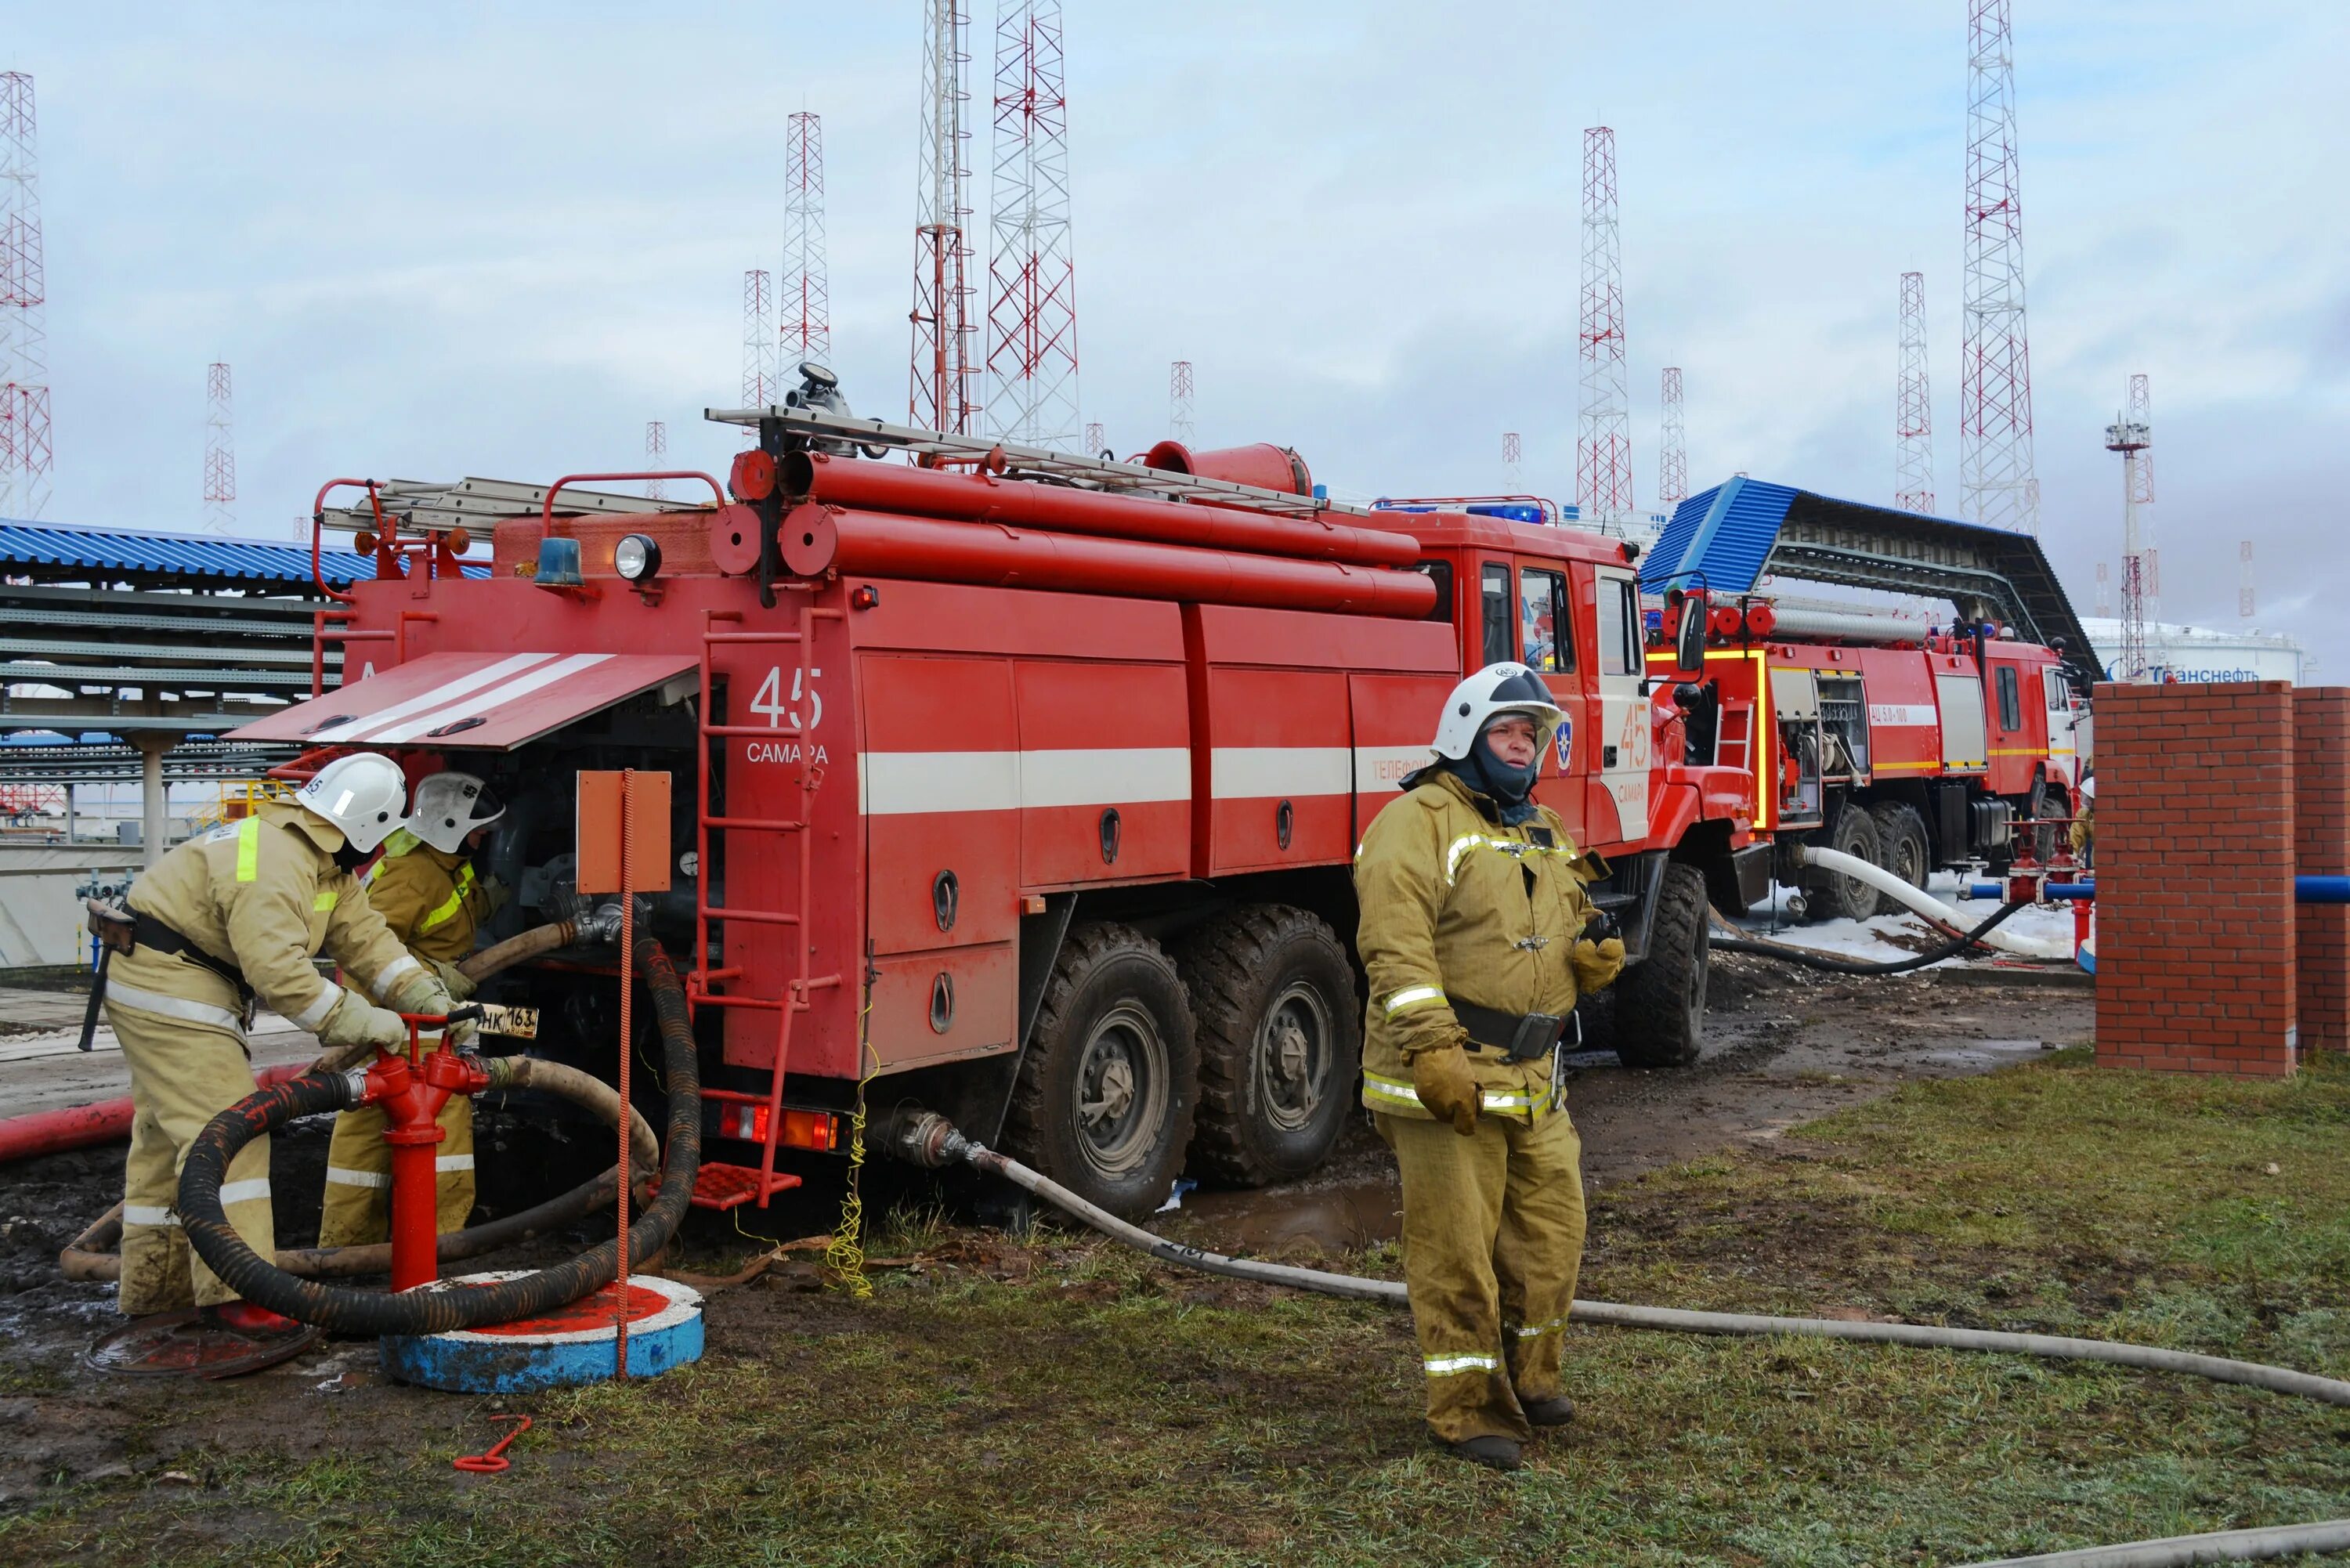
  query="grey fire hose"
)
[{"x": 926, "y": 1138}]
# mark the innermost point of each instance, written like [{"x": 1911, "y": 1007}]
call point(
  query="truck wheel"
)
[
  {"x": 1104, "y": 1102},
  {"x": 1280, "y": 1043},
  {"x": 1828, "y": 896},
  {"x": 1901, "y": 843},
  {"x": 1660, "y": 1001}
]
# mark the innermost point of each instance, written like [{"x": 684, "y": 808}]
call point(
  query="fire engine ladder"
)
[
  {"x": 718, "y": 1185},
  {"x": 1734, "y": 739},
  {"x": 839, "y": 433}
]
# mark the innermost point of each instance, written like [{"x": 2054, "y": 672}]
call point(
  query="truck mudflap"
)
[
  {"x": 1743, "y": 880},
  {"x": 1628, "y": 892}
]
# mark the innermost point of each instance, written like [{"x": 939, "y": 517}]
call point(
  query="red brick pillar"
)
[
  {"x": 2321, "y": 782},
  {"x": 2195, "y": 950}
]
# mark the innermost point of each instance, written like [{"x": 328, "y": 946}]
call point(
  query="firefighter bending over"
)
[
  {"x": 222, "y": 921},
  {"x": 1474, "y": 913},
  {"x": 427, "y": 892}
]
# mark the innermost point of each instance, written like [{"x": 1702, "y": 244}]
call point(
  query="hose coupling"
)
[
  {"x": 354, "y": 1087},
  {"x": 926, "y": 1138}
]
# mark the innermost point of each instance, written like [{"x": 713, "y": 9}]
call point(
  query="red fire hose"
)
[{"x": 103, "y": 1121}]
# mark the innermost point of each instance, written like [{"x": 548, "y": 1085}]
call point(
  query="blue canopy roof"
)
[{"x": 189, "y": 557}]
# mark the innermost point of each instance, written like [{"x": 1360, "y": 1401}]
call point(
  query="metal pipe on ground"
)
[
  {"x": 1924, "y": 904},
  {"x": 85, "y": 1127}
]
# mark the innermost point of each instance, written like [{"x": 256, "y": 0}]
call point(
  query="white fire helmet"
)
[
  {"x": 363, "y": 795},
  {"x": 449, "y": 806},
  {"x": 1504, "y": 688}
]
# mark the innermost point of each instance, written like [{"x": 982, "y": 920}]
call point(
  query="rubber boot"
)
[
  {"x": 1556, "y": 1411},
  {"x": 1493, "y": 1453},
  {"x": 253, "y": 1320}
]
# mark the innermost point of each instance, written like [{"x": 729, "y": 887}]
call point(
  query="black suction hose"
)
[
  {"x": 378, "y": 1312},
  {"x": 1821, "y": 961}
]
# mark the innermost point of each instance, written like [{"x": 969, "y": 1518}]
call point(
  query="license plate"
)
[{"x": 512, "y": 1022}]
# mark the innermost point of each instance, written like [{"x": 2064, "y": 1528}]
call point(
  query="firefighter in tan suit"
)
[
  {"x": 427, "y": 892},
  {"x": 225, "y": 920},
  {"x": 1474, "y": 913}
]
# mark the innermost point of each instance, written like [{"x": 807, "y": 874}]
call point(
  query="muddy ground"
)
[{"x": 1784, "y": 1047}]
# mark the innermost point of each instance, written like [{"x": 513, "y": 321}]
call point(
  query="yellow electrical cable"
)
[{"x": 845, "y": 1256}]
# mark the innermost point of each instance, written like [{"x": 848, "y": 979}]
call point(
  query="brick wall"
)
[
  {"x": 2196, "y": 946},
  {"x": 2321, "y": 778}
]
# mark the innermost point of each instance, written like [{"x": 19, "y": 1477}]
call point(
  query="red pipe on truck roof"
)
[
  {"x": 983, "y": 498},
  {"x": 817, "y": 538}
]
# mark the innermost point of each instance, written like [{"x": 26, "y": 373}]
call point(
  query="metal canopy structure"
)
[{"x": 1732, "y": 536}]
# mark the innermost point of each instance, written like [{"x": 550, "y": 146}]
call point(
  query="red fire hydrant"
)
[{"x": 410, "y": 1091}]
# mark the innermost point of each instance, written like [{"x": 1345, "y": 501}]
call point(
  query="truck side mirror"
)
[{"x": 1688, "y": 643}]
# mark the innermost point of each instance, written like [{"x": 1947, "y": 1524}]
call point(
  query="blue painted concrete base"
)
[{"x": 569, "y": 1346}]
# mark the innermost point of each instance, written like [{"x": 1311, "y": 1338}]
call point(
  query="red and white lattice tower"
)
[
  {"x": 1032, "y": 279},
  {"x": 1179, "y": 400},
  {"x": 2244, "y": 579},
  {"x": 1093, "y": 438},
  {"x": 2105, "y": 593},
  {"x": 2131, "y": 438},
  {"x": 24, "y": 452},
  {"x": 760, "y": 387},
  {"x": 803, "y": 293},
  {"x": 1672, "y": 448},
  {"x": 1996, "y": 483},
  {"x": 1913, "y": 405},
  {"x": 656, "y": 457},
  {"x": 941, "y": 384},
  {"x": 220, "y": 451},
  {"x": 1603, "y": 457},
  {"x": 2141, "y": 411},
  {"x": 1512, "y": 462}
]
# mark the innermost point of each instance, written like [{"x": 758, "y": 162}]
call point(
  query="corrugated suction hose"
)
[{"x": 376, "y": 1312}]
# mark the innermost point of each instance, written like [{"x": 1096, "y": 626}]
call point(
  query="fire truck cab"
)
[{"x": 1022, "y": 787}]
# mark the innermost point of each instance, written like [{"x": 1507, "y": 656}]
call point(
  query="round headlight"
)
[{"x": 636, "y": 558}]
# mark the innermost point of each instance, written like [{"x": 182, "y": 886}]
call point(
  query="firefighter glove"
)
[
  {"x": 1446, "y": 1086},
  {"x": 456, "y": 981},
  {"x": 355, "y": 1021},
  {"x": 1596, "y": 964}
]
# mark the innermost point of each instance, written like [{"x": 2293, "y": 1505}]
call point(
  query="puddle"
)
[
  {"x": 1343, "y": 1218},
  {"x": 1981, "y": 1054}
]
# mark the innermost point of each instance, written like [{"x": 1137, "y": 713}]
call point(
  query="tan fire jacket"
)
[
  {"x": 430, "y": 897},
  {"x": 1456, "y": 906},
  {"x": 264, "y": 893}
]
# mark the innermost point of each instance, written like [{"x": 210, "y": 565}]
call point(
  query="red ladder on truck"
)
[{"x": 718, "y": 1185}]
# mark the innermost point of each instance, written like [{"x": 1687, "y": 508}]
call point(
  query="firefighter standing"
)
[
  {"x": 426, "y": 889},
  {"x": 222, "y": 921},
  {"x": 1474, "y": 913}
]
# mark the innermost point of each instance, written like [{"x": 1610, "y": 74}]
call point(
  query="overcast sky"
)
[{"x": 435, "y": 241}]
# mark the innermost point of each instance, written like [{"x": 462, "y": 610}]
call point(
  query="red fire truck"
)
[
  {"x": 1910, "y": 747},
  {"x": 1021, "y": 786}
]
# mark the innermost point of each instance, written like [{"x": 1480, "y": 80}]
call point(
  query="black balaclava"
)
[
  {"x": 349, "y": 860},
  {"x": 1512, "y": 788}
]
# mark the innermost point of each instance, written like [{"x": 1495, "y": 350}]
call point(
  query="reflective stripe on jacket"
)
[
  {"x": 430, "y": 897},
  {"x": 1455, "y": 905}
]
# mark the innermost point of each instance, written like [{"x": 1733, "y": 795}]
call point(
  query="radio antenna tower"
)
[
  {"x": 1995, "y": 473},
  {"x": 1603, "y": 459},
  {"x": 939, "y": 389},
  {"x": 1672, "y": 459},
  {"x": 1514, "y": 462},
  {"x": 2131, "y": 439},
  {"x": 2105, "y": 593},
  {"x": 2244, "y": 579},
  {"x": 1913, "y": 405},
  {"x": 1093, "y": 438},
  {"x": 220, "y": 451},
  {"x": 1179, "y": 400},
  {"x": 759, "y": 386},
  {"x": 1032, "y": 308},
  {"x": 24, "y": 452},
  {"x": 656, "y": 456},
  {"x": 803, "y": 297}
]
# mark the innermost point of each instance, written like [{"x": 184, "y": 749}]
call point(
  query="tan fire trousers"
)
[
  {"x": 182, "y": 1073},
  {"x": 1492, "y": 1238},
  {"x": 359, "y": 1176}
]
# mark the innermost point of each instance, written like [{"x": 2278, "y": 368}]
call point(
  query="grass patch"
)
[{"x": 1056, "y": 1400}]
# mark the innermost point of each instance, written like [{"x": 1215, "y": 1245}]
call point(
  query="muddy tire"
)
[
  {"x": 1280, "y": 1043},
  {"x": 1660, "y": 1001},
  {"x": 1901, "y": 849},
  {"x": 1107, "y": 1090},
  {"x": 1828, "y": 896}
]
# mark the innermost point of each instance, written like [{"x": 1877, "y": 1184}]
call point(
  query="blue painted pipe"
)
[{"x": 2306, "y": 890}]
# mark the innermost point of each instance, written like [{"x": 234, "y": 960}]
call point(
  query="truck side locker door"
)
[
  {"x": 939, "y": 788},
  {"x": 1105, "y": 771},
  {"x": 2012, "y": 756},
  {"x": 1621, "y": 744}
]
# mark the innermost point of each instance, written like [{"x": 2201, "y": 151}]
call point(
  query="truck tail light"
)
[{"x": 817, "y": 1130}]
